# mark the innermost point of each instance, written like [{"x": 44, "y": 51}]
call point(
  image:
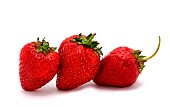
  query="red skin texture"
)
[
  {"x": 119, "y": 69},
  {"x": 79, "y": 65},
  {"x": 36, "y": 69}
]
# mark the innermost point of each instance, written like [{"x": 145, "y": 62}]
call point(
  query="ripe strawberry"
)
[
  {"x": 39, "y": 63},
  {"x": 80, "y": 61},
  {"x": 121, "y": 67}
]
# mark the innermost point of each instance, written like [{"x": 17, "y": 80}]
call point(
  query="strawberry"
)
[
  {"x": 80, "y": 61},
  {"x": 121, "y": 67},
  {"x": 39, "y": 63}
]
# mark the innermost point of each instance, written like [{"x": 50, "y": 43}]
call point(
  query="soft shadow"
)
[
  {"x": 92, "y": 85},
  {"x": 51, "y": 89},
  {"x": 44, "y": 91},
  {"x": 134, "y": 86},
  {"x": 80, "y": 88}
]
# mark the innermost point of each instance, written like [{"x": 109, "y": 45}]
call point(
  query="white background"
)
[{"x": 131, "y": 23}]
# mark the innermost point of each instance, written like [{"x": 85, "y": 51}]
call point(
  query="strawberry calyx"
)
[
  {"x": 43, "y": 46},
  {"x": 142, "y": 59},
  {"x": 88, "y": 42}
]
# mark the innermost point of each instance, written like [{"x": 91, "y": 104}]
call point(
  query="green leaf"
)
[
  {"x": 87, "y": 42},
  {"x": 78, "y": 39},
  {"x": 53, "y": 48},
  {"x": 45, "y": 52},
  {"x": 43, "y": 46},
  {"x": 94, "y": 44},
  {"x": 142, "y": 57},
  {"x": 79, "y": 42},
  {"x": 41, "y": 49},
  {"x": 73, "y": 40},
  {"x": 89, "y": 36},
  {"x": 84, "y": 41},
  {"x": 142, "y": 68},
  {"x": 98, "y": 50},
  {"x": 82, "y": 38}
]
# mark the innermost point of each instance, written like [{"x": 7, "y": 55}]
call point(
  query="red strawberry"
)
[
  {"x": 80, "y": 61},
  {"x": 121, "y": 67},
  {"x": 39, "y": 63}
]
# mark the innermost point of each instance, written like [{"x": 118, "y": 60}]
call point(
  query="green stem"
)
[{"x": 155, "y": 51}]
